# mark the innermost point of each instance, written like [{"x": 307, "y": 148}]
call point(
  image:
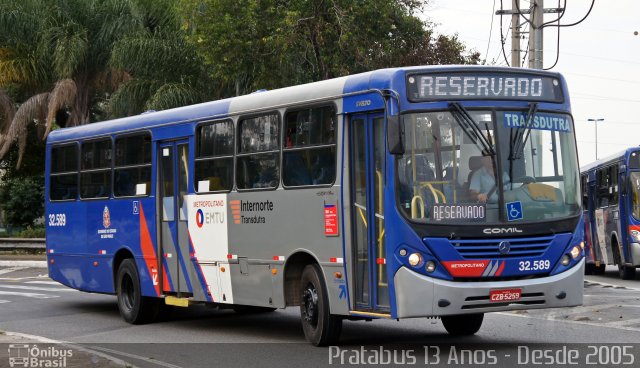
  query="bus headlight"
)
[
  {"x": 431, "y": 266},
  {"x": 575, "y": 252},
  {"x": 565, "y": 260},
  {"x": 415, "y": 259},
  {"x": 635, "y": 235}
]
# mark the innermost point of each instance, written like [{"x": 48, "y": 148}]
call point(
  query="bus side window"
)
[
  {"x": 258, "y": 157},
  {"x": 64, "y": 173},
  {"x": 132, "y": 173},
  {"x": 214, "y": 157},
  {"x": 602, "y": 184},
  {"x": 309, "y": 152},
  {"x": 95, "y": 175},
  {"x": 614, "y": 188},
  {"x": 584, "y": 184}
]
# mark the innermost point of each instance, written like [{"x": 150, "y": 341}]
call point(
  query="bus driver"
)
[{"x": 483, "y": 182}]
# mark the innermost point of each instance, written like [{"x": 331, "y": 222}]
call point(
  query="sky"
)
[{"x": 599, "y": 58}]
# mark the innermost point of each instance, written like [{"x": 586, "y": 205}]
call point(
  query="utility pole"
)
[
  {"x": 535, "y": 35},
  {"x": 515, "y": 34},
  {"x": 536, "y": 17}
]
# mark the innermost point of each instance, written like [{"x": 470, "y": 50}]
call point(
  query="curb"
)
[
  {"x": 44, "y": 340},
  {"x": 26, "y": 264}
]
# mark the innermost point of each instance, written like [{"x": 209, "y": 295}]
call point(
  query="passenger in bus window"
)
[{"x": 483, "y": 182}]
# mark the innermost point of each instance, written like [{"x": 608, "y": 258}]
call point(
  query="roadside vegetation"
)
[{"x": 71, "y": 62}]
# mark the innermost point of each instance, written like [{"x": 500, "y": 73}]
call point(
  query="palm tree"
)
[{"x": 64, "y": 58}]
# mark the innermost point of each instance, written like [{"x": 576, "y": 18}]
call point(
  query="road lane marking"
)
[
  {"x": 29, "y": 295},
  {"x": 133, "y": 356},
  {"x": 44, "y": 282},
  {"x": 615, "y": 286},
  {"x": 12, "y": 269},
  {"x": 4, "y": 301},
  {"x": 35, "y": 288},
  {"x": 23, "y": 278},
  {"x": 551, "y": 319}
]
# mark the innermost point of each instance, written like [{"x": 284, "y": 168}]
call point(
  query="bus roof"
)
[
  {"x": 609, "y": 159},
  {"x": 322, "y": 90}
]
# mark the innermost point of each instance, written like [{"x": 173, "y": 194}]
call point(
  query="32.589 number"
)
[
  {"x": 57, "y": 219},
  {"x": 543, "y": 264}
]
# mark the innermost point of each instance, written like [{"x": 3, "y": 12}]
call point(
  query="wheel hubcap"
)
[{"x": 310, "y": 300}]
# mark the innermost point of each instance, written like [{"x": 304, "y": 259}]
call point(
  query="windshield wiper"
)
[
  {"x": 470, "y": 128},
  {"x": 520, "y": 139}
]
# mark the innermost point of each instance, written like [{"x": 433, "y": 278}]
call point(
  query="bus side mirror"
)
[{"x": 395, "y": 135}]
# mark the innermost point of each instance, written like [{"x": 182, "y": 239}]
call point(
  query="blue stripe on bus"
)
[{"x": 199, "y": 273}]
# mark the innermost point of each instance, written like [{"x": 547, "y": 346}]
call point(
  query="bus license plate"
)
[{"x": 506, "y": 295}]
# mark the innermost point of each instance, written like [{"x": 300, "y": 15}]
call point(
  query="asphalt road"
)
[{"x": 201, "y": 336}]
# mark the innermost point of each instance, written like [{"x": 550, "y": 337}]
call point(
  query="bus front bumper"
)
[{"x": 421, "y": 296}]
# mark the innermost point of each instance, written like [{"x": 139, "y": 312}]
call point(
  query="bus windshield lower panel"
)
[{"x": 448, "y": 174}]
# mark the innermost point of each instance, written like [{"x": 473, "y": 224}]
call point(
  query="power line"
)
[
  {"x": 558, "y": 30},
  {"x": 502, "y": 39},
  {"x": 490, "y": 31}
]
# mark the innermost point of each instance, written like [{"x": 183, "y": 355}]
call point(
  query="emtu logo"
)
[
  {"x": 235, "y": 210},
  {"x": 199, "y": 218}
]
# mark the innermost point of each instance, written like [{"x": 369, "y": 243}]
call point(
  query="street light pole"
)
[{"x": 595, "y": 123}]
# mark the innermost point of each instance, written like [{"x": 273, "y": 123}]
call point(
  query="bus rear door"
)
[{"x": 174, "y": 249}]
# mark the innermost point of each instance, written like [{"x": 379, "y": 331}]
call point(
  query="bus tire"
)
[
  {"x": 463, "y": 324},
  {"x": 626, "y": 272},
  {"x": 319, "y": 326},
  {"x": 590, "y": 269},
  {"x": 134, "y": 308}
]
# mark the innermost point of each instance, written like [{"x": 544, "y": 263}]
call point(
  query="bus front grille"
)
[{"x": 490, "y": 248}]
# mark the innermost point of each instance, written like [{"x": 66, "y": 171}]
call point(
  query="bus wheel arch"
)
[
  {"x": 118, "y": 258},
  {"x": 293, "y": 269}
]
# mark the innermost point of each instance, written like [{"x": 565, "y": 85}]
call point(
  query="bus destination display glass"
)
[{"x": 490, "y": 86}]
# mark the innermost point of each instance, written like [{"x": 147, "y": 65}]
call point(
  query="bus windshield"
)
[{"x": 449, "y": 171}]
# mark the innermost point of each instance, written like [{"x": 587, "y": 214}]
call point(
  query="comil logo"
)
[{"x": 23, "y": 355}]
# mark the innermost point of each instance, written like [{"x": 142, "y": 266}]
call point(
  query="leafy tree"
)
[
  {"x": 252, "y": 44},
  {"x": 23, "y": 200},
  {"x": 63, "y": 60}
]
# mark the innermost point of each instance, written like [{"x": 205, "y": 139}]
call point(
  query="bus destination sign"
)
[{"x": 483, "y": 86}]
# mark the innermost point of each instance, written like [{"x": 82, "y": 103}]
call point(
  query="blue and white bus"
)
[
  {"x": 611, "y": 203},
  {"x": 362, "y": 197}
]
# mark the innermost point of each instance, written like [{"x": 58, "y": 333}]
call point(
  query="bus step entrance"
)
[{"x": 177, "y": 302}]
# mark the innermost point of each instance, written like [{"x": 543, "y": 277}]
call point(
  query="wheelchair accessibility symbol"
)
[{"x": 514, "y": 211}]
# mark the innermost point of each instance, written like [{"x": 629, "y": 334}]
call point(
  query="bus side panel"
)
[
  {"x": 84, "y": 249},
  {"x": 66, "y": 243},
  {"x": 285, "y": 222}
]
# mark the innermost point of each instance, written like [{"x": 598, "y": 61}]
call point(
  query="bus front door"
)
[
  {"x": 368, "y": 175},
  {"x": 173, "y": 173}
]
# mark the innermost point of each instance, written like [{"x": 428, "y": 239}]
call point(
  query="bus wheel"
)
[
  {"x": 626, "y": 272},
  {"x": 134, "y": 308},
  {"x": 463, "y": 325},
  {"x": 319, "y": 326},
  {"x": 589, "y": 269}
]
